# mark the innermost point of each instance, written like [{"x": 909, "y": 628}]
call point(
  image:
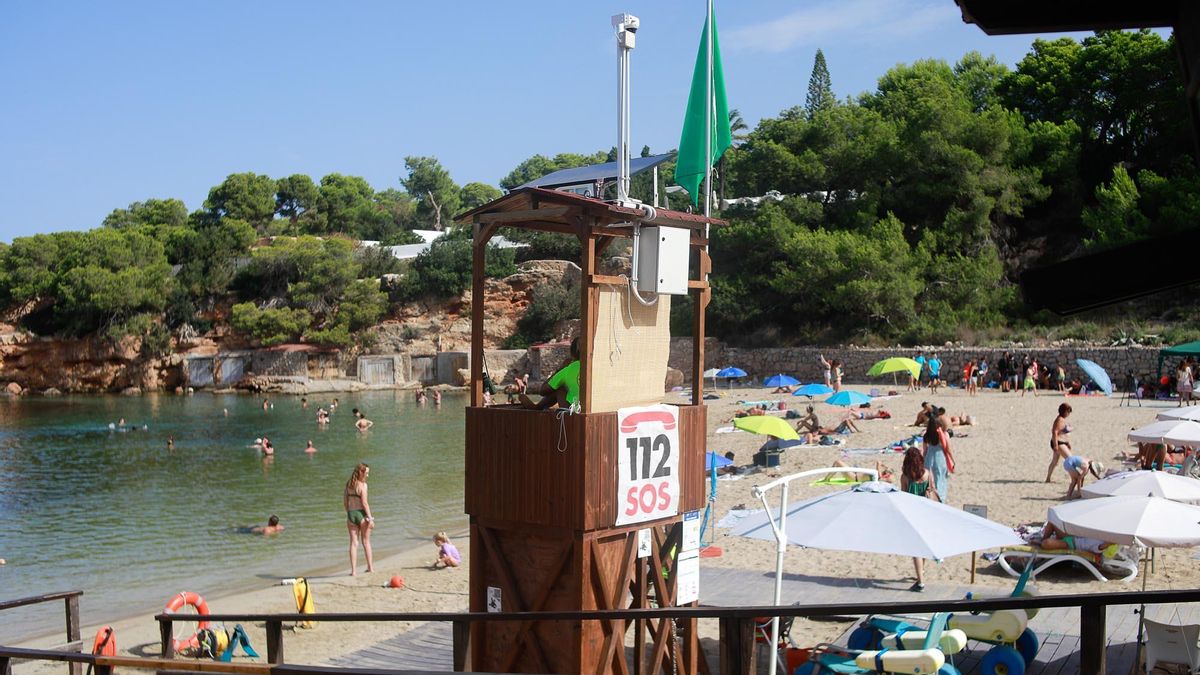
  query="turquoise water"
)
[{"x": 129, "y": 522}]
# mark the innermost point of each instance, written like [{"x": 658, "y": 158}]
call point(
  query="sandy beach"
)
[{"x": 1001, "y": 463}]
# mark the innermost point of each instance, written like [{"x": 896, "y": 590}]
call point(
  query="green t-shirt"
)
[{"x": 567, "y": 377}]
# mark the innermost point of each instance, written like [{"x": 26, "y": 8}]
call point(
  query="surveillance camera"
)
[{"x": 627, "y": 22}]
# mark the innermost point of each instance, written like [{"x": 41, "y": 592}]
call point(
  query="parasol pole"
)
[{"x": 781, "y": 535}]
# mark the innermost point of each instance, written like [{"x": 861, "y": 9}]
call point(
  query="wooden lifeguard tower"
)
[{"x": 542, "y": 486}]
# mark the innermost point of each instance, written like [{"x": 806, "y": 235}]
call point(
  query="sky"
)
[{"x": 104, "y": 104}]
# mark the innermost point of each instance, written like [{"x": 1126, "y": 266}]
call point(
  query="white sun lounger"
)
[{"x": 1119, "y": 566}]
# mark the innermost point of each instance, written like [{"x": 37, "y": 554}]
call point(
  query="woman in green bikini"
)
[
  {"x": 358, "y": 516},
  {"x": 916, "y": 479}
]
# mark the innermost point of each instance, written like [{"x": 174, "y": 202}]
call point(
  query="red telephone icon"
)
[{"x": 631, "y": 423}]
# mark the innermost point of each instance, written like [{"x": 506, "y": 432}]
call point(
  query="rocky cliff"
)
[{"x": 94, "y": 364}]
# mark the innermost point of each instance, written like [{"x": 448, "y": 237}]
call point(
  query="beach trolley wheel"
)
[
  {"x": 1027, "y": 645},
  {"x": 1002, "y": 660},
  {"x": 864, "y": 638}
]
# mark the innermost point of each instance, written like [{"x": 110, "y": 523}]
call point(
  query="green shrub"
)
[
  {"x": 550, "y": 305},
  {"x": 269, "y": 326},
  {"x": 444, "y": 270}
]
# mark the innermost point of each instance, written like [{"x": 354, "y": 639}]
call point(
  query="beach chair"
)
[
  {"x": 1168, "y": 643},
  {"x": 1118, "y": 564}
]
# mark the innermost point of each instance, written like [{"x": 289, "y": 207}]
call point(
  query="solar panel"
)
[{"x": 596, "y": 173}]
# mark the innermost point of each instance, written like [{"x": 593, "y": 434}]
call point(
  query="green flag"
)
[{"x": 690, "y": 166}]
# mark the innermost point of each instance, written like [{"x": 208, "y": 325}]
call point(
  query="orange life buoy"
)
[
  {"x": 188, "y": 599},
  {"x": 105, "y": 643}
]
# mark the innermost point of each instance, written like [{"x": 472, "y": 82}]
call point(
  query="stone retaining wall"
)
[{"x": 802, "y": 362}]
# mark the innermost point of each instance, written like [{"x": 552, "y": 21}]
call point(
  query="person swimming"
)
[{"x": 272, "y": 527}]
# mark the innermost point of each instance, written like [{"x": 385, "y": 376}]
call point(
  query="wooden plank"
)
[
  {"x": 544, "y": 214},
  {"x": 589, "y": 303},
  {"x": 35, "y": 599},
  {"x": 73, "y": 635},
  {"x": 275, "y": 641}
]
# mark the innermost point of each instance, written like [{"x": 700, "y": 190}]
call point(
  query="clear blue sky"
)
[{"x": 103, "y": 104}]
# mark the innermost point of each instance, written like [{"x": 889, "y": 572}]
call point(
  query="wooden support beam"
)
[
  {"x": 737, "y": 646},
  {"x": 73, "y": 635},
  {"x": 589, "y": 308},
  {"x": 274, "y": 641},
  {"x": 478, "y": 265},
  {"x": 166, "y": 629},
  {"x": 1092, "y": 639},
  {"x": 522, "y": 216},
  {"x": 611, "y": 280},
  {"x": 700, "y": 298},
  {"x": 462, "y": 644}
]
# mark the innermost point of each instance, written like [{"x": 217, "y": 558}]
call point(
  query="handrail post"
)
[
  {"x": 73, "y": 635},
  {"x": 274, "y": 641},
  {"x": 166, "y": 629},
  {"x": 737, "y": 646},
  {"x": 5, "y": 665},
  {"x": 462, "y": 645},
  {"x": 1092, "y": 640}
]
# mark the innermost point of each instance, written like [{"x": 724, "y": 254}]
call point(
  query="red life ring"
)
[
  {"x": 188, "y": 599},
  {"x": 105, "y": 643}
]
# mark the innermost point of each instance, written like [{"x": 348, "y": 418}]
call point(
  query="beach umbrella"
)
[
  {"x": 1143, "y": 483},
  {"x": 847, "y": 398},
  {"x": 1098, "y": 375},
  {"x": 811, "y": 390},
  {"x": 1189, "y": 413},
  {"x": 780, "y": 380},
  {"x": 897, "y": 364},
  {"x": 731, "y": 372},
  {"x": 714, "y": 461},
  {"x": 1185, "y": 432},
  {"x": 1142, "y": 521},
  {"x": 872, "y": 517},
  {"x": 878, "y": 517},
  {"x": 765, "y": 424}
]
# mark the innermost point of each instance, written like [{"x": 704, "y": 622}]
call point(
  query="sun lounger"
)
[{"x": 1119, "y": 565}]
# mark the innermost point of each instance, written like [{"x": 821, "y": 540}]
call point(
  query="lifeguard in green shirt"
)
[{"x": 562, "y": 389}]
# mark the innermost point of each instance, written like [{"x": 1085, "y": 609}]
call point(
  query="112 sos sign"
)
[{"x": 647, "y": 463}]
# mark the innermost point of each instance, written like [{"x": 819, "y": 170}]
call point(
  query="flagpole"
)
[{"x": 708, "y": 115}]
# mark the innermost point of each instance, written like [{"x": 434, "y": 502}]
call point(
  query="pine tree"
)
[{"x": 820, "y": 89}]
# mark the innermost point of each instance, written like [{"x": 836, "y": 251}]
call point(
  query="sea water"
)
[{"x": 118, "y": 515}]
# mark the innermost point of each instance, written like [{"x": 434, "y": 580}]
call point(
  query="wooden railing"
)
[
  {"x": 736, "y": 623},
  {"x": 71, "y": 600}
]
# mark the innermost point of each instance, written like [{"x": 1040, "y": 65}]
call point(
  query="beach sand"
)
[{"x": 1001, "y": 463}]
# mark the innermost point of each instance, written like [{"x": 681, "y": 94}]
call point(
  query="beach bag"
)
[{"x": 944, "y": 439}]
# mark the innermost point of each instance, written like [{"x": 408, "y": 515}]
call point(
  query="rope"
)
[{"x": 561, "y": 414}]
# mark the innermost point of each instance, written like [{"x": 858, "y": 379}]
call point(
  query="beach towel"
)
[
  {"x": 726, "y": 430},
  {"x": 735, "y": 516}
]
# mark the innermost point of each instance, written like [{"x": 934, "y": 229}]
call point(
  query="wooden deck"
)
[{"x": 429, "y": 646}]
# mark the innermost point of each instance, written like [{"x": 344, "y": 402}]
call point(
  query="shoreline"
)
[{"x": 137, "y": 631}]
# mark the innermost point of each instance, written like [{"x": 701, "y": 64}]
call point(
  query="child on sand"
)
[{"x": 448, "y": 555}]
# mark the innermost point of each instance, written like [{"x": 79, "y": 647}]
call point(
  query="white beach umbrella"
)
[
  {"x": 877, "y": 517},
  {"x": 1175, "y": 432},
  {"x": 871, "y": 517},
  {"x": 1144, "y": 521},
  {"x": 1143, "y": 483},
  {"x": 1189, "y": 413}
]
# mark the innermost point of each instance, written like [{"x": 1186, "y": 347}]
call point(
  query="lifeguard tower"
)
[{"x": 551, "y": 494}]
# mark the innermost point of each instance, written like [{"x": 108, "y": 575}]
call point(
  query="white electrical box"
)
[{"x": 663, "y": 254}]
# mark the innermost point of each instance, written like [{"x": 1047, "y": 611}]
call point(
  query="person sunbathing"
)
[
  {"x": 923, "y": 414},
  {"x": 782, "y": 390},
  {"x": 885, "y": 474},
  {"x": 809, "y": 423},
  {"x": 1055, "y": 539},
  {"x": 867, "y": 415}
]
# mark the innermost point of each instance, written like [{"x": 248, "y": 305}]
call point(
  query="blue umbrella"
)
[
  {"x": 811, "y": 390},
  {"x": 780, "y": 380},
  {"x": 1098, "y": 375},
  {"x": 714, "y": 461},
  {"x": 731, "y": 372},
  {"x": 848, "y": 398}
]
